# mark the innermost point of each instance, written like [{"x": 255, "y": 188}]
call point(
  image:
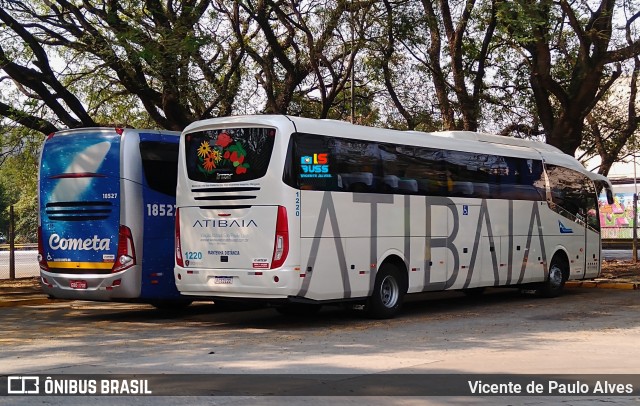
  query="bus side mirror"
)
[
  {"x": 606, "y": 186},
  {"x": 609, "y": 195}
]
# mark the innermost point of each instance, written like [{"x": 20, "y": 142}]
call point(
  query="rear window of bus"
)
[{"x": 228, "y": 155}]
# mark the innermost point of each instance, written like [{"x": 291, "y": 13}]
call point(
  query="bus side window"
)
[
  {"x": 519, "y": 182},
  {"x": 508, "y": 178},
  {"x": 313, "y": 165},
  {"x": 572, "y": 191},
  {"x": 160, "y": 165},
  {"x": 432, "y": 177},
  {"x": 358, "y": 164},
  {"x": 396, "y": 167},
  {"x": 537, "y": 178}
]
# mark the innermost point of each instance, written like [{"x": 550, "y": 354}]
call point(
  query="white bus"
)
[{"x": 305, "y": 212}]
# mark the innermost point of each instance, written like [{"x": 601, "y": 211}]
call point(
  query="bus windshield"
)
[{"x": 228, "y": 155}]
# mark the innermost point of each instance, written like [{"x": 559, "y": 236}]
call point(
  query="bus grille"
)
[
  {"x": 223, "y": 198},
  {"x": 79, "y": 211},
  {"x": 225, "y": 189},
  {"x": 224, "y": 194}
]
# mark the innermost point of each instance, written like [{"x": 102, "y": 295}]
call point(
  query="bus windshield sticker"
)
[
  {"x": 228, "y": 155},
  {"x": 223, "y": 153},
  {"x": 315, "y": 166}
]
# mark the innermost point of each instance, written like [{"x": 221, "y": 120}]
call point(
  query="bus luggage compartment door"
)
[{"x": 228, "y": 238}]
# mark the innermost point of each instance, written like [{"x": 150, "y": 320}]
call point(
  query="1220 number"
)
[{"x": 193, "y": 255}]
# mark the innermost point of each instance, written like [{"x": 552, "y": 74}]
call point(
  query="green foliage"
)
[
  {"x": 524, "y": 22},
  {"x": 18, "y": 184},
  {"x": 305, "y": 105},
  {"x": 166, "y": 64}
]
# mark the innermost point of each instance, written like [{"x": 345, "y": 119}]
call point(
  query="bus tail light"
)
[
  {"x": 281, "y": 243},
  {"x": 41, "y": 257},
  {"x": 126, "y": 257},
  {"x": 179, "y": 260}
]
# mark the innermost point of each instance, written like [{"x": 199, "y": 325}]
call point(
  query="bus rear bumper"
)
[
  {"x": 123, "y": 285},
  {"x": 239, "y": 283}
]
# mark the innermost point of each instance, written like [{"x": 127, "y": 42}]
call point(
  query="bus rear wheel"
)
[
  {"x": 558, "y": 272},
  {"x": 388, "y": 293}
]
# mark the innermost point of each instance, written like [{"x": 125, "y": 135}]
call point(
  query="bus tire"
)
[
  {"x": 558, "y": 273},
  {"x": 388, "y": 293}
]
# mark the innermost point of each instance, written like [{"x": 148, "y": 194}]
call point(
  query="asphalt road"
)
[
  {"x": 620, "y": 255},
  {"x": 586, "y": 331},
  {"x": 26, "y": 264}
]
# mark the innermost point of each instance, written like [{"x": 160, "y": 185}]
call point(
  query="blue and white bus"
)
[
  {"x": 305, "y": 212},
  {"x": 107, "y": 206}
]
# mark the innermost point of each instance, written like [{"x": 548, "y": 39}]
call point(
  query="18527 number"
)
[{"x": 162, "y": 210}]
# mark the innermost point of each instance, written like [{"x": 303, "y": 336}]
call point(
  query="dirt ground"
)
[
  {"x": 614, "y": 270},
  {"x": 8, "y": 285},
  {"x": 624, "y": 271}
]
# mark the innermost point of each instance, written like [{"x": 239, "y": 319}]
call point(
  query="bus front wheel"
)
[
  {"x": 558, "y": 272},
  {"x": 388, "y": 293}
]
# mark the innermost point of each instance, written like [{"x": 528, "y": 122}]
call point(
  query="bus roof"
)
[{"x": 119, "y": 130}]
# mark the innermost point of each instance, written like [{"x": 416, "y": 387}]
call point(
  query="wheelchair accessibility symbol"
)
[{"x": 465, "y": 210}]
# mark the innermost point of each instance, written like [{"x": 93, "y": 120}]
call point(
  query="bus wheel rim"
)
[
  {"x": 389, "y": 291},
  {"x": 555, "y": 276}
]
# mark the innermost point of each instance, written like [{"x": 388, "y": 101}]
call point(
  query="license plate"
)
[
  {"x": 78, "y": 284},
  {"x": 223, "y": 280}
]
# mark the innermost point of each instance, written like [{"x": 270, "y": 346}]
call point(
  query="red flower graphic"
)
[
  {"x": 240, "y": 170},
  {"x": 235, "y": 157},
  {"x": 223, "y": 140}
]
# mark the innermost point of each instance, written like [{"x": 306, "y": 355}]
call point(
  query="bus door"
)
[
  {"x": 159, "y": 154},
  {"x": 592, "y": 235}
]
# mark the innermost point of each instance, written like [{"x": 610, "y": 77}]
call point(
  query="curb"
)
[{"x": 603, "y": 285}]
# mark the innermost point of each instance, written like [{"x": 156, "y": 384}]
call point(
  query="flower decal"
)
[
  {"x": 236, "y": 157},
  {"x": 216, "y": 155},
  {"x": 224, "y": 140},
  {"x": 208, "y": 163},
  {"x": 222, "y": 154},
  {"x": 204, "y": 149}
]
